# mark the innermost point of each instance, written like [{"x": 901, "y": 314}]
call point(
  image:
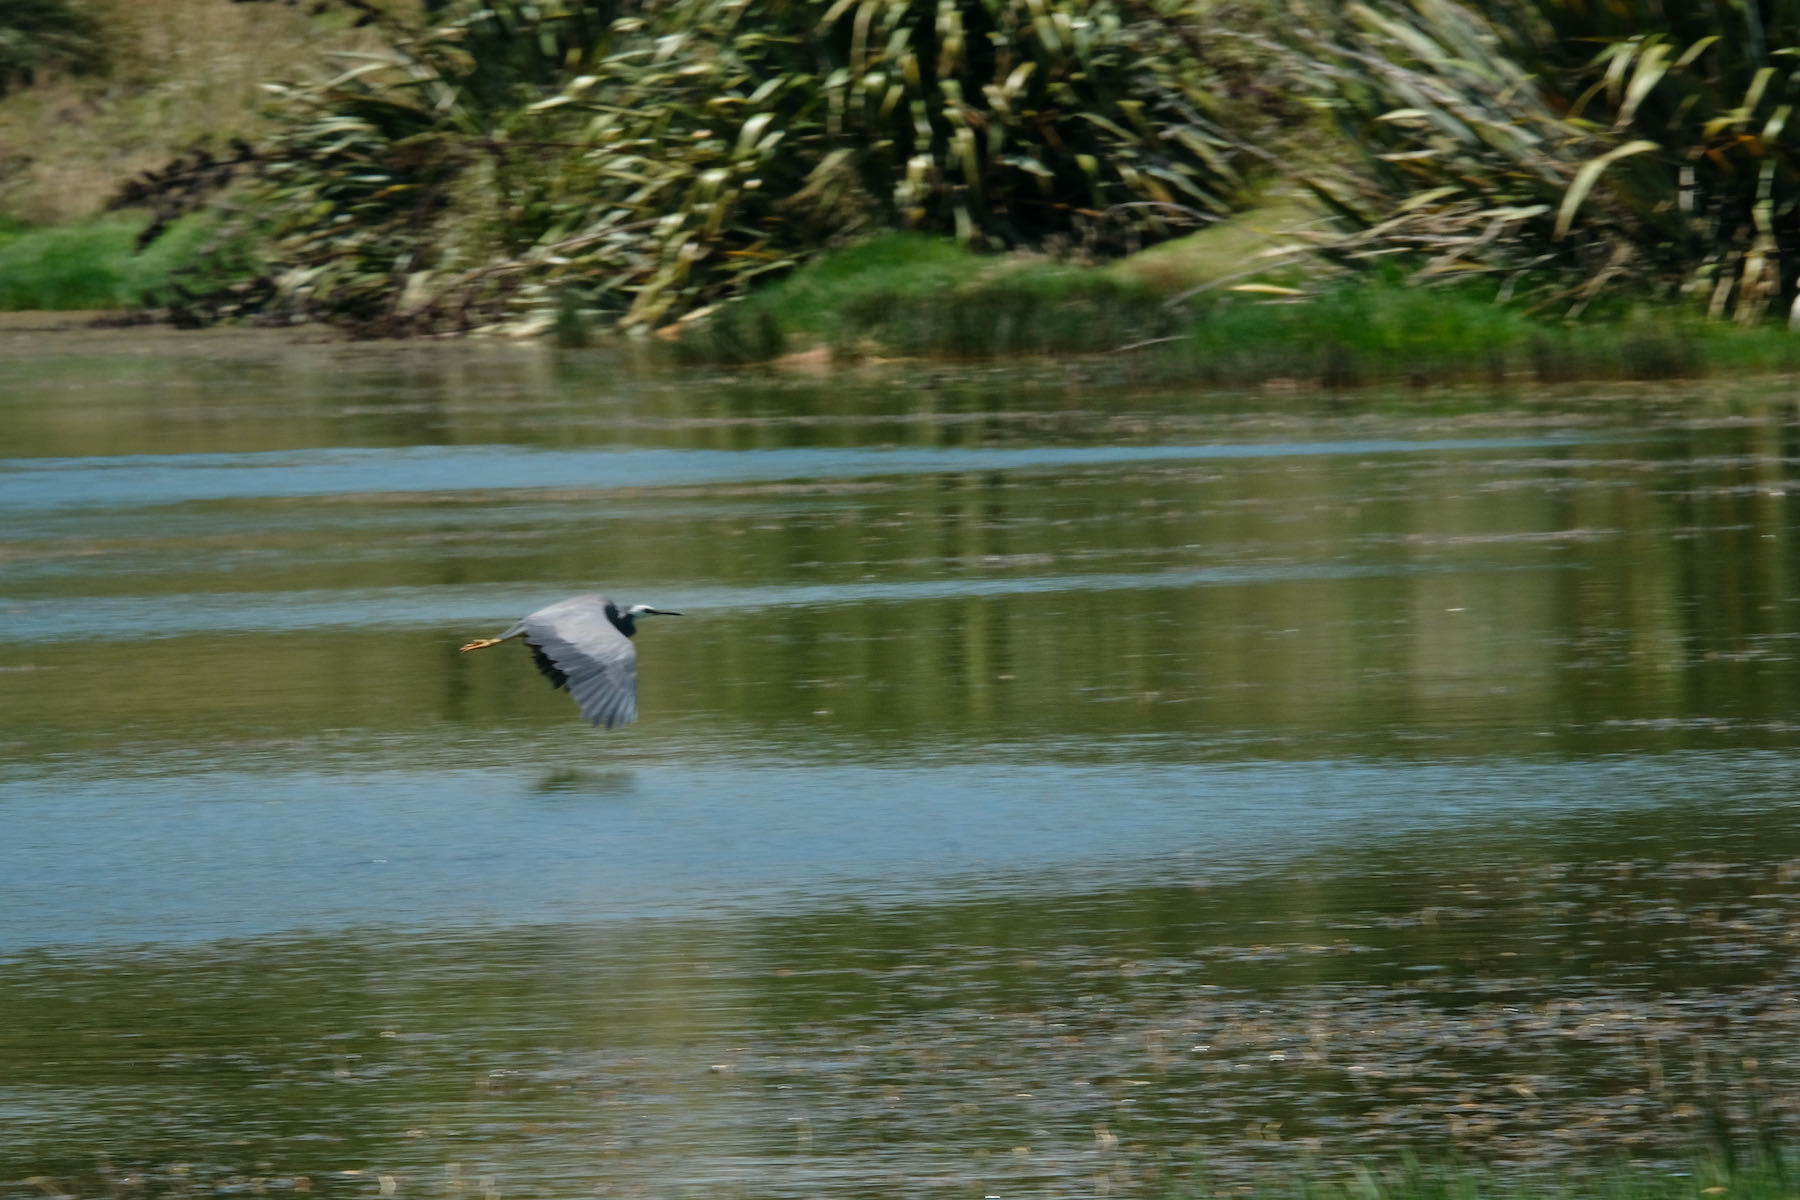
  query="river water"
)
[{"x": 1060, "y": 782}]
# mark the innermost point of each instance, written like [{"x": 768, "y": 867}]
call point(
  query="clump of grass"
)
[
  {"x": 811, "y": 302},
  {"x": 1354, "y": 333},
  {"x": 1371, "y": 331},
  {"x": 908, "y": 294},
  {"x": 1034, "y": 309},
  {"x": 1731, "y": 348},
  {"x": 92, "y": 265}
]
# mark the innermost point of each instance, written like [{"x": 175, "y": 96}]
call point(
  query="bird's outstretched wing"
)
[{"x": 576, "y": 647}]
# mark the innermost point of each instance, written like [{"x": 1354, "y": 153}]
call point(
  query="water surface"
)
[{"x": 1060, "y": 783}]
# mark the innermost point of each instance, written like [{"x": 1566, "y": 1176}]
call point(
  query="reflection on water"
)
[
  {"x": 1059, "y": 785},
  {"x": 141, "y": 480},
  {"x": 291, "y": 847},
  {"x": 1500, "y": 995}
]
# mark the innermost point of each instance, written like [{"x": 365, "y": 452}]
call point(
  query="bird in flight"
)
[{"x": 584, "y": 644}]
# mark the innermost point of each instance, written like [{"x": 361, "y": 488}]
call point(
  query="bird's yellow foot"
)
[{"x": 482, "y": 644}]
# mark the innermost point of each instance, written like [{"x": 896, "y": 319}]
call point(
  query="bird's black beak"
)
[{"x": 663, "y": 612}]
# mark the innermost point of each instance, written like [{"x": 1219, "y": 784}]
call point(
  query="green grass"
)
[
  {"x": 1351, "y": 332},
  {"x": 911, "y": 295},
  {"x": 1381, "y": 331},
  {"x": 92, "y": 265},
  {"x": 914, "y": 296},
  {"x": 910, "y": 267}
]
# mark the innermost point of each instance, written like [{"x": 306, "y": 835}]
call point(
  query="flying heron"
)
[{"x": 584, "y": 644}]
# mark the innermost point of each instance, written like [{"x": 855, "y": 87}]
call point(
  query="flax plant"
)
[
  {"x": 1572, "y": 151},
  {"x": 641, "y": 162}
]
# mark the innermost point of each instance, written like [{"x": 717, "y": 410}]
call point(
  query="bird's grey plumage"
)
[{"x": 584, "y": 644}]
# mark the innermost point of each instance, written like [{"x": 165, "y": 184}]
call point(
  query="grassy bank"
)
[
  {"x": 1385, "y": 332},
  {"x": 911, "y": 295},
  {"x": 91, "y": 265},
  {"x": 1192, "y": 309},
  {"x": 1175, "y": 311}
]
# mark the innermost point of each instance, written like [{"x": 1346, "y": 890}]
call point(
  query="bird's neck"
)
[{"x": 624, "y": 622}]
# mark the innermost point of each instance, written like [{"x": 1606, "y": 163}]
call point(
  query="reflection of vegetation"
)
[
  {"x": 1522, "y": 995},
  {"x": 1767, "y": 1177},
  {"x": 580, "y": 781},
  {"x": 1353, "y": 628}
]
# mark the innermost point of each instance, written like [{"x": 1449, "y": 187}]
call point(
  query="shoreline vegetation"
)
[
  {"x": 1283, "y": 192},
  {"x": 905, "y": 296}
]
